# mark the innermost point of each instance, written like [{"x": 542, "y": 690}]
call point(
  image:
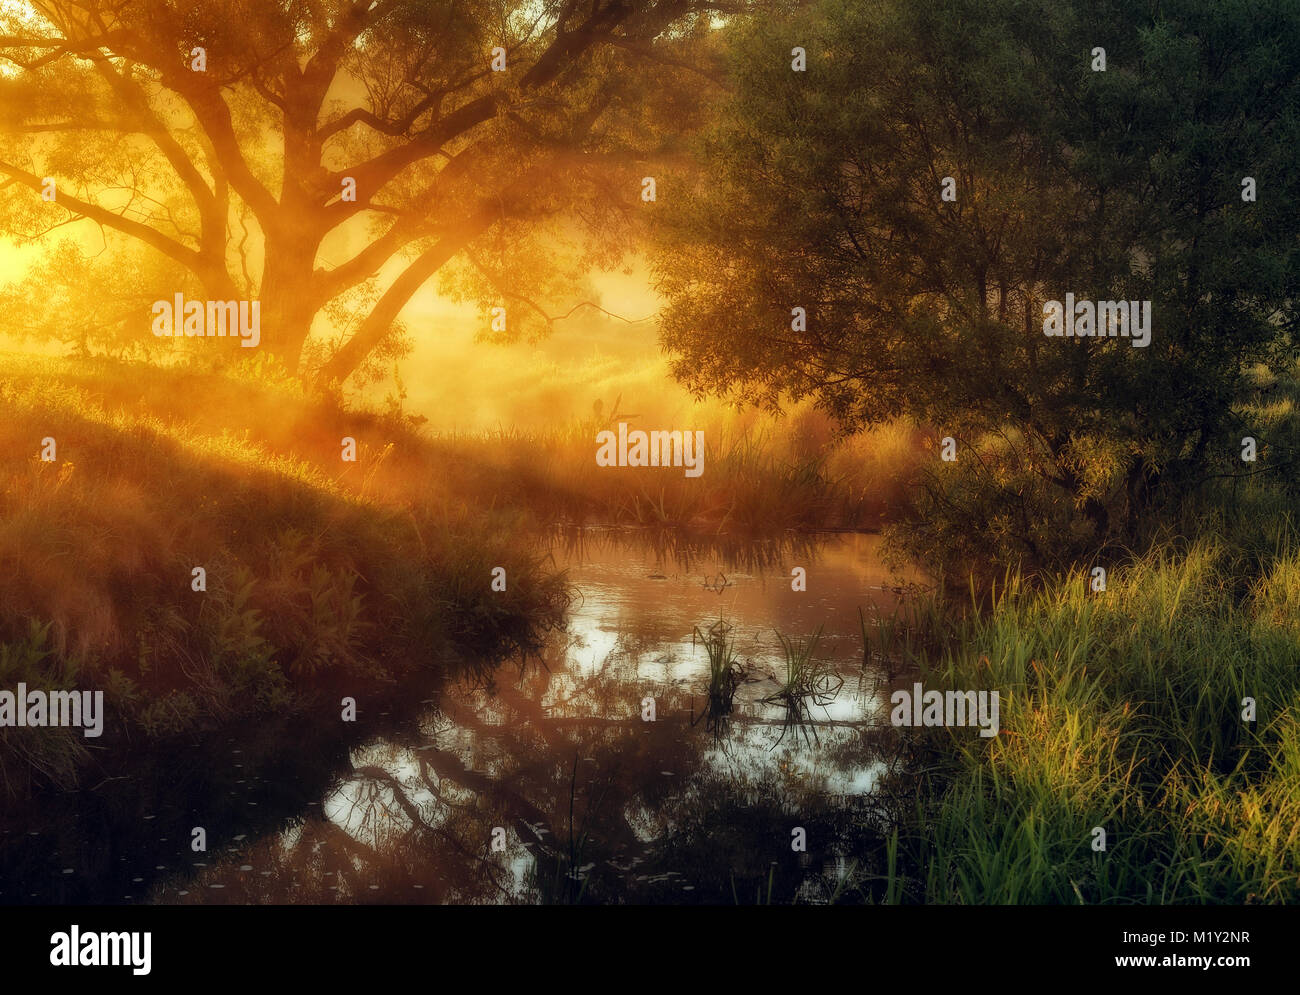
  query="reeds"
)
[
  {"x": 807, "y": 682},
  {"x": 726, "y": 674},
  {"x": 894, "y": 642}
]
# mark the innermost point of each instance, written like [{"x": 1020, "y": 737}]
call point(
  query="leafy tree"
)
[
  {"x": 824, "y": 192},
  {"x": 507, "y": 184}
]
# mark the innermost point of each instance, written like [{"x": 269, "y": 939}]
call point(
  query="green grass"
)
[
  {"x": 1122, "y": 710},
  {"x": 895, "y": 642}
]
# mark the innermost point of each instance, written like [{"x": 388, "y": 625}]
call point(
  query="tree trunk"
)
[{"x": 287, "y": 304}]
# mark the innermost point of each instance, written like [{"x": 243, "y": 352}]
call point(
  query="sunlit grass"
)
[
  {"x": 316, "y": 575},
  {"x": 1123, "y": 710},
  {"x": 760, "y": 474}
]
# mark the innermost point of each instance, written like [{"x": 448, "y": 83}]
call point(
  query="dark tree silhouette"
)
[{"x": 826, "y": 191}]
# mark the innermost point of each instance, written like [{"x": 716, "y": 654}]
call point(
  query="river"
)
[{"x": 594, "y": 773}]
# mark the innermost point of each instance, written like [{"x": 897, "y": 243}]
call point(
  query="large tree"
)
[
  {"x": 233, "y": 173},
  {"x": 826, "y": 192}
]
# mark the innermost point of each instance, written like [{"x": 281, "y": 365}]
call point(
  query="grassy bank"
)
[
  {"x": 316, "y": 587},
  {"x": 760, "y": 473},
  {"x": 1121, "y": 710}
]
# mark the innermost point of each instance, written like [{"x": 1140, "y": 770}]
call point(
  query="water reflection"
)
[
  {"x": 543, "y": 785},
  {"x": 552, "y": 786}
]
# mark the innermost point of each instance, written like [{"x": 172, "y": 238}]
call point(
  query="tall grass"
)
[
  {"x": 319, "y": 577},
  {"x": 1122, "y": 710},
  {"x": 761, "y": 473},
  {"x": 897, "y": 641}
]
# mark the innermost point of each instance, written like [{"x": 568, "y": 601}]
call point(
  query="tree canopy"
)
[
  {"x": 826, "y": 192},
  {"x": 223, "y": 135}
]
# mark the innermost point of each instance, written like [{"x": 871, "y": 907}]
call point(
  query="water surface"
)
[{"x": 546, "y": 783}]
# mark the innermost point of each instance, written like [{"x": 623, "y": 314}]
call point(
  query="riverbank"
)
[
  {"x": 1158, "y": 715},
  {"x": 200, "y": 577},
  {"x": 1149, "y": 749},
  {"x": 1162, "y": 712}
]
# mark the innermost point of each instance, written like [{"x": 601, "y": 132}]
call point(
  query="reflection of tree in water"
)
[
  {"x": 599, "y": 807},
  {"x": 410, "y": 816}
]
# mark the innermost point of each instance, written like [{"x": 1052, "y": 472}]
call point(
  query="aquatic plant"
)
[
  {"x": 807, "y": 682},
  {"x": 894, "y": 642},
  {"x": 726, "y": 674}
]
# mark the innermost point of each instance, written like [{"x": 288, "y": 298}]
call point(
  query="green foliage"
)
[
  {"x": 1121, "y": 710},
  {"x": 823, "y": 190}
]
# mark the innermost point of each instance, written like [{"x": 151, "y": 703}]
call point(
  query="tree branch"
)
[{"x": 190, "y": 258}]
